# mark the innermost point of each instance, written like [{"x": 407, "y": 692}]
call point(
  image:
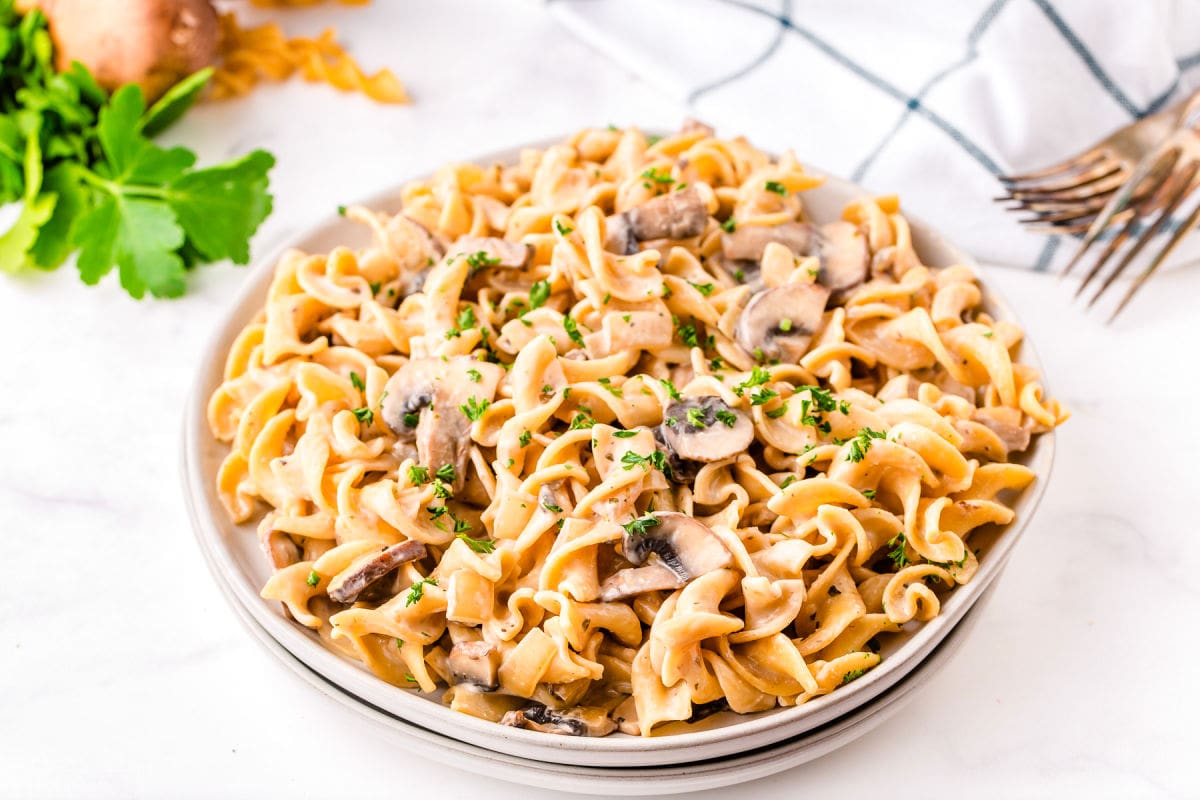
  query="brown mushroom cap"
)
[
  {"x": 577, "y": 721},
  {"x": 780, "y": 322},
  {"x": 845, "y": 257},
  {"x": 681, "y": 543},
  {"x": 675, "y": 215},
  {"x": 497, "y": 252},
  {"x": 747, "y": 242},
  {"x": 349, "y": 584},
  {"x": 619, "y": 237},
  {"x": 476, "y": 664},
  {"x": 434, "y": 390},
  {"x": 702, "y": 430}
]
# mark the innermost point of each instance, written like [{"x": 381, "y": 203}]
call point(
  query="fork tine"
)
[
  {"x": 1075, "y": 162},
  {"x": 1181, "y": 188},
  {"x": 1121, "y": 199},
  {"x": 1081, "y": 187},
  {"x": 1109, "y": 249},
  {"x": 1175, "y": 239}
]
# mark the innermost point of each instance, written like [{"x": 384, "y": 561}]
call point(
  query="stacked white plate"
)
[{"x": 722, "y": 749}]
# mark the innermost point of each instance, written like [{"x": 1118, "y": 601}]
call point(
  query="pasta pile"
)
[
  {"x": 250, "y": 55},
  {"x": 616, "y": 436}
]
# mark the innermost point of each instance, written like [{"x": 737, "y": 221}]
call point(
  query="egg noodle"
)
[{"x": 617, "y": 436}]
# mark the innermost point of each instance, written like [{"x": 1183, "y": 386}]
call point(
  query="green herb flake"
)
[
  {"x": 478, "y": 545},
  {"x": 356, "y": 381},
  {"x": 418, "y": 476},
  {"x": 474, "y": 408},
  {"x": 640, "y": 526},
  {"x": 776, "y": 187},
  {"x": 539, "y": 293},
  {"x": 563, "y": 230},
  {"x": 861, "y": 443},
  {"x": 625, "y": 434},
  {"x": 525, "y": 438},
  {"x": 572, "y": 329},
  {"x": 729, "y": 226},
  {"x": 446, "y": 473},
  {"x": 727, "y": 418},
  {"x": 313, "y": 578},
  {"x": 417, "y": 591},
  {"x": 364, "y": 415}
]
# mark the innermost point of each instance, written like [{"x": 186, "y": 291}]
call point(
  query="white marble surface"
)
[{"x": 124, "y": 674}]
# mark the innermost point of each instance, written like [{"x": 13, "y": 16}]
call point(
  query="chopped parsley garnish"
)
[
  {"x": 861, "y": 443},
  {"x": 613, "y": 390},
  {"x": 988, "y": 335},
  {"x": 417, "y": 591},
  {"x": 563, "y": 230},
  {"x": 625, "y": 434},
  {"x": 762, "y": 395},
  {"x": 466, "y": 318},
  {"x": 672, "y": 392},
  {"x": 572, "y": 329},
  {"x": 364, "y": 415},
  {"x": 313, "y": 578},
  {"x": 729, "y": 225},
  {"x": 357, "y": 382},
  {"x": 525, "y": 438},
  {"x": 410, "y": 419},
  {"x": 375, "y": 287},
  {"x": 671, "y": 421},
  {"x": 687, "y": 334},
  {"x": 652, "y": 140},
  {"x": 853, "y": 675},
  {"x": 539, "y": 293},
  {"x": 758, "y": 376},
  {"x": 727, "y": 417},
  {"x": 661, "y": 178},
  {"x": 776, "y": 187},
  {"x": 656, "y": 459},
  {"x": 695, "y": 418},
  {"x": 441, "y": 490},
  {"x": 869, "y": 494},
  {"x": 474, "y": 408},
  {"x": 446, "y": 473},
  {"x": 898, "y": 554},
  {"x": 788, "y": 481},
  {"x": 703, "y": 288},
  {"x": 739, "y": 275},
  {"x": 844, "y": 406},
  {"x": 478, "y": 545},
  {"x": 418, "y": 476},
  {"x": 785, "y": 324},
  {"x": 581, "y": 421},
  {"x": 606, "y": 299},
  {"x": 408, "y": 677},
  {"x": 480, "y": 259},
  {"x": 341, "y": 211},
  {"x": 776, "y": 413},
  {"x": 666, "y": 292},
  {"x": 639, "y": 526},
  {"x": 474, "y": 375},
  {"x": 557, "y": 509},
  {"x": 716, "y": 363}
]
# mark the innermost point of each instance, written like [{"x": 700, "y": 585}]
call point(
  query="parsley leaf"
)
[
  {"x": 478, "y": 545},
  {"x": 758, "y": 376},
  {"x": 729, "y": 225},
  {"x": 474, "y": 408},
  {"x": 669, "y": 385},
  {"x": 703, "y": 288},
  {"x": 417, "y": 591},
  {"x": 625, "y": 434},
  {"x": 861, "y": 443},
  {"x": 418, "y": 476},
  {"x": 445, "y": 473},
  {"x": 539, "y": 293},
  {"x": 899, "y": 552},
  {"x": 656, "y": 459},
  {"x": 481, "y": 259},
  {"x": 356, "y": 381},
  {"x": 639, "y": 526},
  {"x": 572, "y": 329},
  {"x": 475, "y": 375},
  {"x": 313, "y": 578},
  {"x": 563, "y": 230},
  {"x": 728, "y": 418},
  {"x": 364, "y": 415},
  {"x": 525, "y": 438},
  {"x": 776, "y": 187}
]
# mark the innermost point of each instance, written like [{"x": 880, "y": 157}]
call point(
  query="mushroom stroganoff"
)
[{"x": 617, "y": 436}]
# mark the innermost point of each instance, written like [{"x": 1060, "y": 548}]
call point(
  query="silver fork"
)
[
  {"x": 1164, "y": 178},
  {"x": 1067, "y": 197}
]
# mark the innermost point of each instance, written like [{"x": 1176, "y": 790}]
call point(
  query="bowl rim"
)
[{"x": 206, "y": 518}]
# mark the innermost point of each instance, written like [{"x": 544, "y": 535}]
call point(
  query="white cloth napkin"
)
[{"x": 930, "y": 100}]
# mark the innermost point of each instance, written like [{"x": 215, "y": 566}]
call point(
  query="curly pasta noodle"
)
[
  {"x": 250, "y": 55},
  {"x": 615, "y": 436}
]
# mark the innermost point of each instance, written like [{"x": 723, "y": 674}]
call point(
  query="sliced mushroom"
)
[
  {"x": 742, "y": 271},
  {"x": 632, "y": 581},
  {"x": 429, "y": 393},
  {"x": 578, "y": 721},
  {"x": 675, "y": 215},
  {"x": 706, "y": 429},
  {"x": 681, "y": 545},
  {"x": 349, "y": 584},
  {"x": 679, "y": 470},
  {"x": 845, "y": 258},
  {"x": 497, "y": 252},
  {"x": 281, "y": 550},
  {"x": 747, "y": 242},
  {"x": 618, "y": 236},
  {"x": 1015, "y": 437},
  {"x": 476, "y": 664},
  {"x": 779, "y": 323},
  {"x": 704, "y": 710}
]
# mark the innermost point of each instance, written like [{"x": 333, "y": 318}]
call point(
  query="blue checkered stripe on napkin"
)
[{"x": 931, "y": 100}]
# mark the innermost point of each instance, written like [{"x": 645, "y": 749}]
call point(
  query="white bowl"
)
[
  {"x": 619, "y": 781},
  {"x": 237, "y": 558}
]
